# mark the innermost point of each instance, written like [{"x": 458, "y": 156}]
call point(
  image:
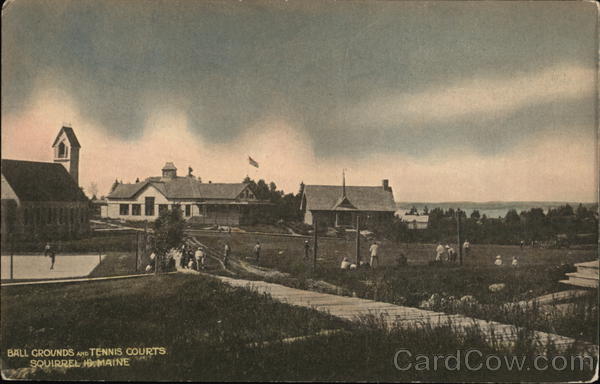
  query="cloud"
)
[
  {"x": 554, "y": 167},
  {"x": 486, "y": 98}
]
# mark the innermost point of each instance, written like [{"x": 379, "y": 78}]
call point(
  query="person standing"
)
[
  {"x": 227, "y": 251},
  {"x": 199, "y": 255},
  {"x": 467, "y": 248},
  {"x": 439, "y": 252},
  {"x": 257, "y": 251},
  {"x": 451, "y": 255},
  {"x": 47, "y": 249},
  {"x": 52, "y": 255},
  {"x": 374, "y": 254},
  {"x": 306, "y": 249}
]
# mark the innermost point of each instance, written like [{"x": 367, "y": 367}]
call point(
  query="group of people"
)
[
  {"x": 448, "y": 254},
  {"x": 514, "y": 263},
  {"x": 193, "y": 259},
  {"x": 374, "y": 253}
]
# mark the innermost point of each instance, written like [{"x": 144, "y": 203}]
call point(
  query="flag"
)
[{"x": 252, "y": 162}]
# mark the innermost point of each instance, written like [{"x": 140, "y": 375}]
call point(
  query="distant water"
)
[{"x": 491, "y": 209}]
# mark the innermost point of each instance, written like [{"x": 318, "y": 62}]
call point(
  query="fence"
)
[{"x": 126, "y": 253}]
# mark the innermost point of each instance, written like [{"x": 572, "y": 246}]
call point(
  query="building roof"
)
[
  {"x": 180, "y": 188},
  {"x": 327, "y": 197},
  {"x": 37, "y": 181},
  {"x": 70, "y": 136}
]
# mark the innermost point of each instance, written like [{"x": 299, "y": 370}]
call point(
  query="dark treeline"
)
[
  {"x": 285, "y": 206},
  {"x": 560, "y": 226}
]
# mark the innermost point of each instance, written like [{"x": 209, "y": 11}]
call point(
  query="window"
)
[
  {"x": 162, "y": 208},
  {"x": 48, "y": 215},
  {"x": 149, "y": 206},
  {"x": 123, "y": 209},
  {"x": 62, "y": 150},
  {"x": 60, "y": 215},
  {"x": 136, "y": 209},
  {"x": 188, "y": 210}
]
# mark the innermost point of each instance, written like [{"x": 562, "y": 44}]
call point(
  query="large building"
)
[
  {"x": 204, "y": 203},
  {"x": 42, "y": 200},
  {"x": 337, "y": 206}
]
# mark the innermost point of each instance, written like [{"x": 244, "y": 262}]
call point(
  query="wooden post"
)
[
  {"x": 12, "y": 251},
  {"x": 137, "y": 249},
  {"x": 357, "y": 239},
  {"x": 315, "y": 243},
  {"x": 99, "y": 255},
  {"x": 460, "y": 257}
]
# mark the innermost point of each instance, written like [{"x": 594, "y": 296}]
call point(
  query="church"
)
[{"x": 43, "y": 201}]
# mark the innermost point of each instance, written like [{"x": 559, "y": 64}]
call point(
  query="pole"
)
[
  {"x": 315, "y": 244},
  {"x": 357, "y": 239},
  {"x": 137, "y": 249},
  {"x": 12, "y": 251},
  {"x": 460, "y": 253}
]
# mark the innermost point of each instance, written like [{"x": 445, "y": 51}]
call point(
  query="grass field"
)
[
  {"x": 209, "y": 331},
  {"x": 539, "y": 273}
]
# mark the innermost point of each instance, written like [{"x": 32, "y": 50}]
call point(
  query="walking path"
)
[{"x": 353, "y": 308}]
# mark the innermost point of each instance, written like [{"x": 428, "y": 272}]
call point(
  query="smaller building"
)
[
  {"x": 416, "y": 221},
  {"x": 338, "y": 206}
]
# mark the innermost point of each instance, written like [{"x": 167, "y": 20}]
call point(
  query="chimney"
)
[{"x": 386, "y": 184}]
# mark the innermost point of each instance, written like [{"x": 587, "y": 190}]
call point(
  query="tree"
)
[
  {"x": 512, "y": 217},
  {"x": 413, "y": 211},
  {"x": 475, "y": 215},
  {"x": 168, "y": 231},
  {"x": 425, "y": 211},
  {"x": 94, "y": 189}
]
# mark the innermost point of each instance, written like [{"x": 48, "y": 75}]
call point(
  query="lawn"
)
[
  {"x": 209, "y": 331},
  {"x": 539, "y": 273}
]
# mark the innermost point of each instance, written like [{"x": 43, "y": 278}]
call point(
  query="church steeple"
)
[{"x": 66, "y": 151}]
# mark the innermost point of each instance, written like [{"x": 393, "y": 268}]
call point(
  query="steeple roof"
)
[{"x": 70, "y": 136}]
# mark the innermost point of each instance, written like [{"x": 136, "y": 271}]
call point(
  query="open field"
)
[
  {"x": 539, "y": 273},
  {"x": 214, "y": 332}
]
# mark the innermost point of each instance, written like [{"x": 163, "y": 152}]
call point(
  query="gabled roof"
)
[
  {"x": 37, "y": 181},
  {"x": 327, "y": 197},
  {"x": 180, "y": 188},
  {"x": 70, "y": 136}
]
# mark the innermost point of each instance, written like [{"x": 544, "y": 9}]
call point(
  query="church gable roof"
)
[
  {"x": 37, "y": 181},
  {"x": 70, "y": 136},
  {"x": 327, "y": 198}
]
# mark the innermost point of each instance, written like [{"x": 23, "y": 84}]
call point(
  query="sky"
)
[{"x": 450, "y": 101}]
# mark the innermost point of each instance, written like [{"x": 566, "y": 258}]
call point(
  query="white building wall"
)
[{"x": 113, "y": 207}]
